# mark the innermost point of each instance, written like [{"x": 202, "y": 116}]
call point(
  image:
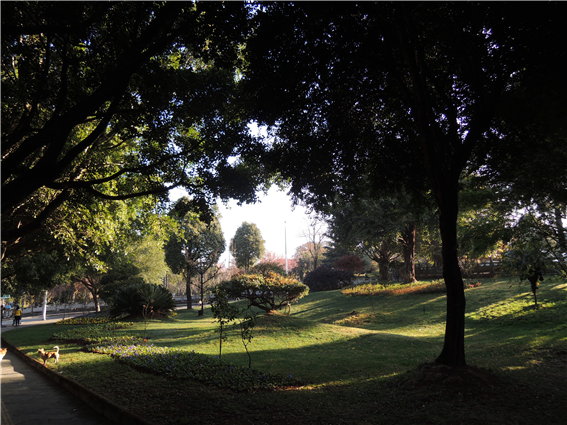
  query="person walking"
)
[{"x": 17, "y": 316}]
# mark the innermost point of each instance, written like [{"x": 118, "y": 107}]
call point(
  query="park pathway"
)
[{"x": 30, "y": 398}]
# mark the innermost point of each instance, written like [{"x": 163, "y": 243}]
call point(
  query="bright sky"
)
[{"x": 273, "y": 215}]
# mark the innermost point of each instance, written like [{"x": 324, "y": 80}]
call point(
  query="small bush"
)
[
  {"x": 132, "y": 299},
  {"x": 265, "y": 268},
  {"x": 326, "y": 279},
  {"x": 350, "y": 263}
]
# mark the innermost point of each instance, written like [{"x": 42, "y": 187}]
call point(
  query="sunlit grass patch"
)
[{"x": 370, "y": 289}]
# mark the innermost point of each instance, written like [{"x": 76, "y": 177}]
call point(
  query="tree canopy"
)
[
  {"x": 405, "y": 94},
  {"x": 118, "y": 100},
  {"x": 247, "y": 245}
]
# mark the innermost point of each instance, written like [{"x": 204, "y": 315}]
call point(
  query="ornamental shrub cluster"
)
[
  {"x": 268, "y": 291},
  {"x": 131, "y": 300},
  {"x": 183, "y": 364},
  {"x": 326, "y": 279}
]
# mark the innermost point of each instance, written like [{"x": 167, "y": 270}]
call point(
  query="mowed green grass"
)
[{"x": 359, "y": 359}]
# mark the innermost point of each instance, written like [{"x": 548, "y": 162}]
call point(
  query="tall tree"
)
[
  {"x": 314, "y": 234},
  {"x": 195, "y": 247},
  {"x": 247, "y": 245},
  {"x": 117, "y": 100},
  {"x": 404, "y": 93}
]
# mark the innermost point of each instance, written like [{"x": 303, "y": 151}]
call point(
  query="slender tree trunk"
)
[
  {"x": 408, "y": 249},
  {"x": 453, "y": 353},
  {"x": 45, "y": 306},
  {"x": 96, "y": 300},
  {"x": 561, "y": 234},
  {"x": 188, "y": 291}
]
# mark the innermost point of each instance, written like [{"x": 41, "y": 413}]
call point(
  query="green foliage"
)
[
  {"x": 113, "y": 283},
  {"x": 195, "y": 245},
  {"x": 267, "y": 292},
  {"x": 326, "y": 279},
  {"x": 95, "y": 334},
  {"x": 265, "y": 268},
  {"x": 124, "y": 100},
  {"x": 132, "y": 298},
  {"x": 247, "y": 323},
  {"x": 247, "y": 246},
  {"x": 224, "y": 312},
  {"x": 149, "y": 258}
]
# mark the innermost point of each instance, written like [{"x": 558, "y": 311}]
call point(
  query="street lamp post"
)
[
  {"x": 201, "y": 272},
  {"x": 285, "y": 240}
]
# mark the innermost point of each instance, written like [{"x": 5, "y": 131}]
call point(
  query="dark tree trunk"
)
[
  {"x": 384, "y": 268},
  {"x": 189, "y": 297},
  {"x": 408, "y": 249},
  {"x": 445, "y": 155},
  {"x": 453, "y": 353},
  {"x": 96, "y": 301}
]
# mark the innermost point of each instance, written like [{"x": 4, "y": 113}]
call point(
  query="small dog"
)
[
  {"x": 3, "y": 352},
  {"x": 46, "y": 355}
]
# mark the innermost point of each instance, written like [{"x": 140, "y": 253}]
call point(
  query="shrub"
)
[
  {"x": 131, "y": 300},
  {"x": 350, "y": 263},
  {"x": 265, "y": 268},
  {"x": 267, "y": 292},
  {"x": 326, "y": 279}
]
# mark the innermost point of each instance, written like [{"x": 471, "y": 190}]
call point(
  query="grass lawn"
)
[{"x": 361, "y": 359}]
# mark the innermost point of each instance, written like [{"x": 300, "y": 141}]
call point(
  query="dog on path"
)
[
  {"x": 46, "y": 355},
  {"x": 3, "y": 352}
]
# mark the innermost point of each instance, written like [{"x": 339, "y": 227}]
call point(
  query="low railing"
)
[{"x": 483, "y": 269}]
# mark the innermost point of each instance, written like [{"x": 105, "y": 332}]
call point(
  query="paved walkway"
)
[{"x": 29, "y": 397}]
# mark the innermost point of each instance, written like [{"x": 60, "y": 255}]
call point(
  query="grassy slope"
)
[{"x": 359, "y": 358}]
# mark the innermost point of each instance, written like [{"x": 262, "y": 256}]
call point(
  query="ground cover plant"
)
[
  {"x": 90, "y": 319},
  {"x": 183, "y": 364},
  {"x": 361, "y": 359},
  {"x": 96, "y": 333},
  {"x": 435, "y": 287}
]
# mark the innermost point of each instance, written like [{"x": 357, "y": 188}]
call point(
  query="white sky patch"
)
[{"x": 273, "y": 215}]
